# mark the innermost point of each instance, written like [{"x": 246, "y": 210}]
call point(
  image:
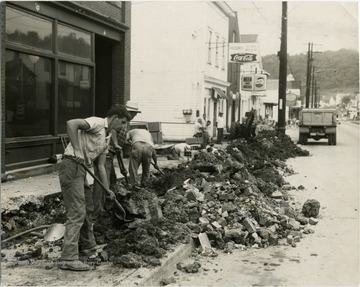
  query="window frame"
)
[
  {"x": 209, "y": 47},
  {"x": 55, "y": 57}
]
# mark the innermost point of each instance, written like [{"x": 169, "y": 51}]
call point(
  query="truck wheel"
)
[
  {"x": 330, "y": 136},
  {"x": 334, "y": 139}
]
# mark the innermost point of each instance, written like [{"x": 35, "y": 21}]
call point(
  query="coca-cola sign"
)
[
  {"x": 243, "y": 58},
  {"x": 244, "y": 52}
]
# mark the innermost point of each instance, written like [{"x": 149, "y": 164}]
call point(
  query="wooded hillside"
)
[{"x": 344, "y": 80}]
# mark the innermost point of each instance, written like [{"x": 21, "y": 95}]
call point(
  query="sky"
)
[{"x": 330, "y": 25}]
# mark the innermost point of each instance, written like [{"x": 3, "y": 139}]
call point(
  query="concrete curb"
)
[{"x": 152, "y": 277}]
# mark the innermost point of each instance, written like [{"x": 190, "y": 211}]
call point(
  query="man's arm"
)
[
  {"x": 154, "y": 157},
  {"x": 114, "y": 138},
  {"x": 102, "y": 173},
  {"x": 72, "y": 130}
]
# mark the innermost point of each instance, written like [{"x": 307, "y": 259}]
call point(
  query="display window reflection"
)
[
  {"x": 74, "y": 42},
  {"x": 28, "y": 92},
  {"x": 74, "y": 93},
  {"x": 25, "y": 29}
]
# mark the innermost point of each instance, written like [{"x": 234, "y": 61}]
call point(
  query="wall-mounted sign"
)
[
  {"x": 247, "y": 82},
  {"x": 259, "y": 82},
  {"x": 291, "y": 99},
  {"x": 244, "y": 52}
]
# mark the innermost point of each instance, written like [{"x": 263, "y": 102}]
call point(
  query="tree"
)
[{"x": 345, "y": 100}]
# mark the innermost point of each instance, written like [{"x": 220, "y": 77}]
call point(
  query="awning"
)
[{"x": 220, "y": 93}]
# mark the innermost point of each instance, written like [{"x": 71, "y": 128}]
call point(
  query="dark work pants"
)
[
  {"x": 141, "y": 153},
  {"x": 79, "y": 206},
  {"x": 99, "y": 195},
  {"x": 220, "y": 135}
]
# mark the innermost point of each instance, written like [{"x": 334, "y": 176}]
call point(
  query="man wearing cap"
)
[
  {"x": 88, "y": 144},
  {"x": 116, "y": 145}
]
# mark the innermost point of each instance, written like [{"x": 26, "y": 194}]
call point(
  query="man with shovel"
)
[
  {"x": 116, "y": 145},
  {"x": 88, "y": 142},
  {"x": 142, "y": 152}
]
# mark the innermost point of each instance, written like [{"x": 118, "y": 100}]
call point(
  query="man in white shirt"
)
[
  {"x": 142, "y": 152},
  {"x": 220, "y": 128}
]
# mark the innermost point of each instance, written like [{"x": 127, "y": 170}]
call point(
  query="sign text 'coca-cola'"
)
[{"x": 243, "y": 58}]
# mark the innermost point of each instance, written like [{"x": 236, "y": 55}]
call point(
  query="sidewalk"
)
[
  {"x": 15, "y": 193},
  {"x": 34, "y": 189}
]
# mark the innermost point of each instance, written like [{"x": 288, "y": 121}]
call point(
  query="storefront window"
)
[
  {"x": 74, "y": 93},
  {"x": 28, "y": 90},
  {"x": 74, "y": 42},
  {"x": 26, "y": 29}
]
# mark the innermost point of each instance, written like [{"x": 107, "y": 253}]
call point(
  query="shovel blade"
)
[{"x": 54, "y": 232}]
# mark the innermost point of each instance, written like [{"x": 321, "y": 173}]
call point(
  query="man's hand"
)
[
  {"x": 78, "y": 158},
  {"x": 111, "y": 194},
  {"x": 118, "y": 148}
]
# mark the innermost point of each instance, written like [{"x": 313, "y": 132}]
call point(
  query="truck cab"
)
[{"x": 317, "y": 124}]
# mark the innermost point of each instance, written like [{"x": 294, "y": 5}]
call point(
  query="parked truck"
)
[{"x": 317, "y": 124}]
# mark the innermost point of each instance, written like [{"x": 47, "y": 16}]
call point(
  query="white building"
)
[{"x": 179, "y": 53}]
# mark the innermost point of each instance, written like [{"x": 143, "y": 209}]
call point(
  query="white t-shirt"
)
[{"x": 220, "y": 122}]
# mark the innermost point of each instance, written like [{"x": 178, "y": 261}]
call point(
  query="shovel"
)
[
  {"x": 117, "y": 204},
  {"x": 158, "y": 169},
  {"x": 122, "y": 166},
  {"x": 53, "y": 232}
]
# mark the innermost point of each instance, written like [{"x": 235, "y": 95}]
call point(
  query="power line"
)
[{"x": 260, "y": 13}]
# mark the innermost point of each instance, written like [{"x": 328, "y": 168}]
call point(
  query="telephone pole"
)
[
  {"x": 282, "y": 70},
  {"x": 308, "y": 74}
]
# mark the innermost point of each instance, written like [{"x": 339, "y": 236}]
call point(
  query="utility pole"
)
[
  {"x": 308, "y": 74},
  {"x": 313, "y": 87},
  {"x": 282, "y": 70}
]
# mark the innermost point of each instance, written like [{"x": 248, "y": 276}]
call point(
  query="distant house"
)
[{"x": 332, "y": 101}]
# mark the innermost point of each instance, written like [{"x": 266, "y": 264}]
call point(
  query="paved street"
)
[{"x": 328, "y": 257}]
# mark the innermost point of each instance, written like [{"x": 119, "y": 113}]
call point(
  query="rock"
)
[
  {"x": 248, "y": 191},
  {"x": 222, "y": 221},
  {"x": 192, "y": 268},
  {"x": 129, "y": 260},
  {"x": 203, "y": 221},
  {"x": 216, "y": 225},
  {"x": 194, "y": 227},
  {"x": 313, "y": 221},
  {"x": 236, "y": 235},
  {"x": 277, "y": 194},
  {"x": 273, "y": 239},
  {"x": 311, "y": 208},
  {"x": 167, "y": 281},
  {"x": 302, "y": 219},
  {"x": 249, "y": 225},
  {"x": 295, "y": 225},
  {"x": 204, "y": 241},
  {"x": 104, "y": 256}
]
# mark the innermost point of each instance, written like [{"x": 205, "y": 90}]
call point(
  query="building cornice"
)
[
  {"x": 223, "y": 6},
  {"x": 216, "y": 81}
]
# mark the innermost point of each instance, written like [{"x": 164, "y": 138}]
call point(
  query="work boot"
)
[{"x": 74, "y": 265}]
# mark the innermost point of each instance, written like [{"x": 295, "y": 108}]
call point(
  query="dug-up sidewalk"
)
[{"x": 16, "y": 193}]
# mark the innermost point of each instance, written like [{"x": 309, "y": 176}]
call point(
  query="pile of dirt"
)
[{"x": 236, "y": 196}]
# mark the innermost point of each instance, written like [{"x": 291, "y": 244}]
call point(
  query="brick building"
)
[{"x": 60, "y": 60}]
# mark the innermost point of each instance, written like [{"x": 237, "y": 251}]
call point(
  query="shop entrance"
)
[{"x": 103, "y": 75}]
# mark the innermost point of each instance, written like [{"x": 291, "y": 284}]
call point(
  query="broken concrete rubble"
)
[{"x": 234, "y": 197}]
